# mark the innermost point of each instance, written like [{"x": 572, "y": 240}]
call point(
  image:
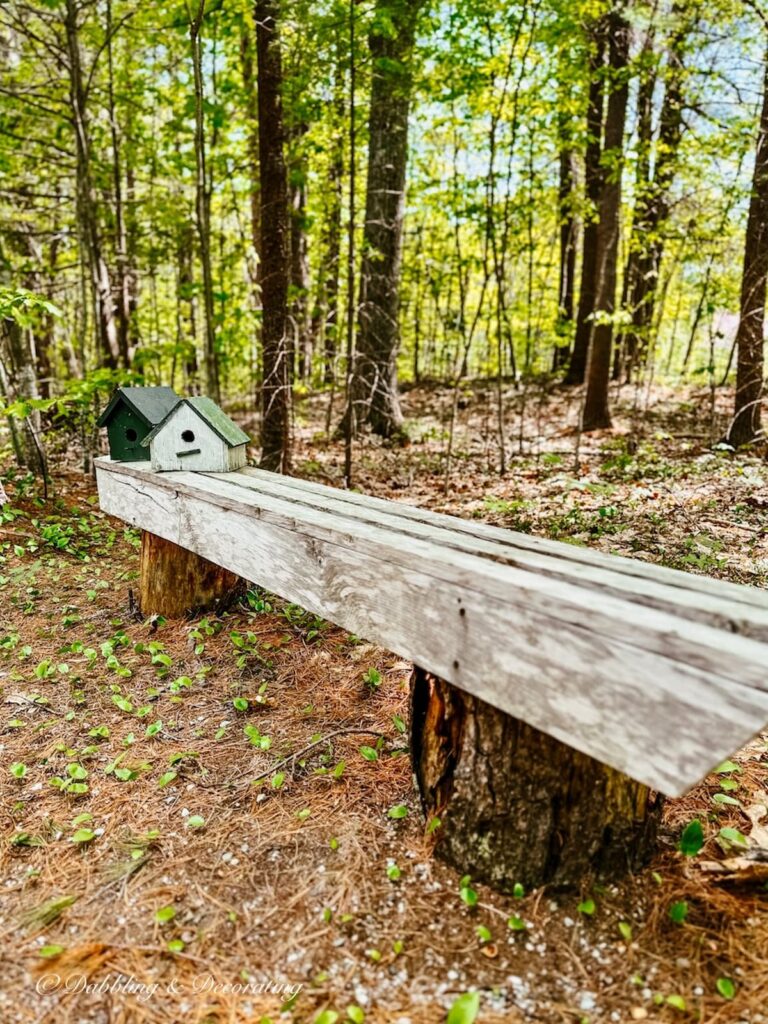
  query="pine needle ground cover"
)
[{"x": 214, "y": 819}]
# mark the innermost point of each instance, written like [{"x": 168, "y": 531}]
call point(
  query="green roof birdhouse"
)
[
  {"x": 131, "y": 415},
  {"x": 197, "y": 435}
]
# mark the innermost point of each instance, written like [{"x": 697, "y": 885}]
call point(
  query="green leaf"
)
[
  {"x": 468, "y": 895},
  {"x": 355, "y": 1014},
  {"x": 240, "y": 704},
  {"x": 483, "y": 933},
  {"x": 625, "y": 931},
  {"x": 692, "y": 839},
  {"x": 397, "y": 812},
  {"x": 676, "y": 1002},
  {"x": 83, "y": 835},
  {"x": 679, "y": 911},
  {"x": 166, "y": 779},
  {"x": 732, "y": 835},
  {"x": 165, "y": 914},
  {"x": 47, "y": 952},
  {"x": 516, "y": 923},
  {"x": 18, "y": 770},
  {"x": 77, "y": 772},
  {"x": 587, "y": 907},
  {"x": 393, "y": 872},
  {"x": 195, "y": 821},
  {"x": 153, "y": 729},
  {"x": 327, "y": 1017},
  {"x": 723, "y": 798},
  {"x": 726, "y": 988},
  {"x": 369, "y": 753},
  {"x": 465, "y": 1009},
  {"x": 727, "y": 766}
]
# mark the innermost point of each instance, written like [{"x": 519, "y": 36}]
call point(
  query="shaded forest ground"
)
[{"x": 306, "y": 878}]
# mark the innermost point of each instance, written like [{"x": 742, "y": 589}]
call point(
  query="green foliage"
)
[{"x": 692, "y": 839}]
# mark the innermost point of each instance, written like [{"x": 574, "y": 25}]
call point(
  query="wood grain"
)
[{"x": 658, "y": 674}]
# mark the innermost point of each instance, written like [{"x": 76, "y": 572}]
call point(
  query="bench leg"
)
[
  {"x": 176, "y": 582},
  {"x": 516, "y": 805}
]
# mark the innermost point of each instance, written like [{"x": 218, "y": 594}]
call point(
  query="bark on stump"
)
[
  {"x": 176, "y": 582},
  {"x": 516, "y": 805}
]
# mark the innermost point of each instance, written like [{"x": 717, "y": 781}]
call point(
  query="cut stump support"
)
[
  {"x": 176, "y": 582},
  {"x": 517, "y": 806}
]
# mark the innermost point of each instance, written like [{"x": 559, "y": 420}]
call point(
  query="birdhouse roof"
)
[
  {"x": 151, "y": 405},
  {"x": 209, "y": 413}
]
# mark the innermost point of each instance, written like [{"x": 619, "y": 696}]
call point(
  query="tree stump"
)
[
  {"x": 176, "y": 582},
  {"x": 516, "y": 805}
]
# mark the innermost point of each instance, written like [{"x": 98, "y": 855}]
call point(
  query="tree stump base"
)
[
  {"x": 177, "y": 583},
  {"x": 515, "y": 805}
]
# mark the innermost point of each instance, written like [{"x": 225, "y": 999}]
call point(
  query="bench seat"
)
[{"x": 658, "y": 673}]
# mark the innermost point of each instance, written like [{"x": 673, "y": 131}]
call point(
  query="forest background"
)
[{"x": 258, "y": 200}]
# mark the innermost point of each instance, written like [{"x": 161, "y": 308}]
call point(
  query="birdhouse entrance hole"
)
[
  {"x": 130, "y": 434},
  {"x": 188, "y": 436}
]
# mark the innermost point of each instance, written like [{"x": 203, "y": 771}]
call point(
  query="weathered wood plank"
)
[
  {"x": 657, "y": 696},
  {"x": 729, "y": 606}
]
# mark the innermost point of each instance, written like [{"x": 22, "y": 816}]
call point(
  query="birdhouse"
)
[
  {"x": 197, "y": 435},
  {"x": 130, "y": 416}
]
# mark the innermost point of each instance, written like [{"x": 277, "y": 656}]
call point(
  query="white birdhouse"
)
[{"x": 197, "y": 435}]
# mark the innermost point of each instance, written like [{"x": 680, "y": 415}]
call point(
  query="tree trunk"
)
[
  {"x": 596, "y": 413},
  {"x": 203, "y": 191},
  {"x": 329, "y": 283},
  {"x": 18, "y": 359},
  {"x": 176, "y": 583},
  {"x": 593, "y": 174},
  {"x": 568, "y": 233},
  {"x": 516, "y": 806},
  {"x": 375, "y": 389},
  {"x": 646, "y": 246},
  {"x": 299, "y": 287},
  {"x": 745, "y": 426},
  {"x": 252, "y": 110},
  {"x": 275, "y": 244},
  {"x": 108, "y": 344},
  {"x": 123, "y": 277}
]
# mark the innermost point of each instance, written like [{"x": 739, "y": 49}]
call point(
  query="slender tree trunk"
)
[
  {"x": 108, "y": 345},
  {"x": 252, "y": 108},
  {"x": 646, "y": 246},
  {"x": 188, "y": 296},
  {"x": 121, "y": 263},
  {"x": 568, "y": 238},
  {"x": 627, "y": 340},
  {"x": 299, "y": 285},
  {"x": 275, "y": 243},
  {"x": 203, "y": 191},
  {"x": 20, "y": 382},
  {"x": 750, "y": 336},
  {"x": 330, "y": 273},
  {"x": 375, "y": 390},
  {"x": 596, "y": 413},
  {"x": 593, "y": 175}
]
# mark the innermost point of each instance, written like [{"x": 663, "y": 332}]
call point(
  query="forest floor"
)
[{"x": 160, "y": 863}]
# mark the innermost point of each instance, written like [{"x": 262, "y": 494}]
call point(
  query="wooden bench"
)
[{"x": 557, "y": 690}]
